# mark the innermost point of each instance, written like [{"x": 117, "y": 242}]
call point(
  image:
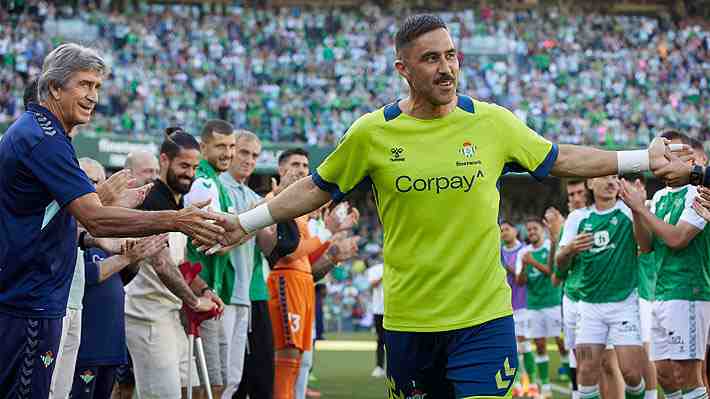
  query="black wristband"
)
[
  {"x": 706, "y": 177},
  {"x": 696, "y": 175},
  {"x": 82, "y": 238}
]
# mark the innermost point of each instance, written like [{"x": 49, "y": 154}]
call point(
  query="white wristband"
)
[
  {"x": 632, "y": 161},
  {"x": 256, "y": 219}
]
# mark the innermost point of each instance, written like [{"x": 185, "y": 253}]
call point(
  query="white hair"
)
[{"x": 63, "y": 62}]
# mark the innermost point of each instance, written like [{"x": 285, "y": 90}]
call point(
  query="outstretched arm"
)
[
  {"x": 574, "y": 160},
  {"x": 298, "y": 199},
  {"x": 578, "y": 161},
  {"x": 665, "y": 162},
  {"x": 111, "y": 221}
]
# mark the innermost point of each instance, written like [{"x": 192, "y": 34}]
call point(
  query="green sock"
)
[
  {"x": 543, "y": 366},
  {"x": 565, "y": 362},
  {"x": 589, "y": 392},
  {"x": 637, "y": 392},
  {"x": 521, "y": 370},
  {"x": 529, "y": 361}
]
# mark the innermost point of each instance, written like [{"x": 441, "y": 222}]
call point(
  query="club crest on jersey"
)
[
  {"x": 397, "y": 152},
  {"x": 614, "y": 221},
  {"x": 47, "y": 358},
  {"x": 468, "y": 150},
  {"x": 417, "y": 394},
  {"x": 87, "y": 376}
]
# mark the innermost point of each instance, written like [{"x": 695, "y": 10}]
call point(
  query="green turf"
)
[{"x": 347, "y": 374}]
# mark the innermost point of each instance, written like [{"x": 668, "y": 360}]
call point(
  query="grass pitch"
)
[{"x": 343, "y": 364}]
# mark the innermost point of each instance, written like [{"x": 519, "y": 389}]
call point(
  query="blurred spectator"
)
[{"x": 304, "y": 74}]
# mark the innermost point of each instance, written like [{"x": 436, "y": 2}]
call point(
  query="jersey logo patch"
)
[
  {"x": 602, "y": 242},
  {"x": 45, "y": 124},
  {"x": 397, "y": 152},
  {"x": 207, "y": 184},
  {"x": 467, "y": 150}
]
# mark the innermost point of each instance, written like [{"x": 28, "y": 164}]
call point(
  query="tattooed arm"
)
[{"x": 170, "y": 276}]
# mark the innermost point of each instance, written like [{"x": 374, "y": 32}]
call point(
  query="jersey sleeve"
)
[
  {"x": 347, "y": 165},
  {"x": 526, "y": 151},
  {"x": 689, "y": 215},
  {"x": 519, "y": 260},
  {"x": 625, "y": 210},
  {"x": 202, "y": 190},
  {"x": 92, "y": 265},
  {"x": 53, "y": 162},
  {"x": 571, "y": 228}
]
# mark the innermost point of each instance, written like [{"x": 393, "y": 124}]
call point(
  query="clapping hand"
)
[
  {"x": 701, "y": 203},
  {"x": 289, "y": 178},
  {"x": 342, "y": 218},
  {"x": 553, "y": 221},
  {"x": 343, "y": 247},
  {"x": 633, "y": 194},
  {"x": 111, "y": 189},
  {"x": 137, "y": 250},
  {"x": 133, "y": 197}
]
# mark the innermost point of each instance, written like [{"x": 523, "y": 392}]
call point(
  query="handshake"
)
[{"x": 672, "y": 163}]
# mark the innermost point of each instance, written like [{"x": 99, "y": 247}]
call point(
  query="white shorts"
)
[
  {"x": 544, "y": 323},
  {"x": 613, "y": 323},
  {"x": 646, "y": 311},
  {"x": 679, "y": 330},
  {"x": 520, "y": 317},
  {"x": 570, "y": 317}
]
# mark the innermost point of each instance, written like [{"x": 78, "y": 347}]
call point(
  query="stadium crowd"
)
[
  {"x": 194, "y": 206},
  {"x": 305, "y": 74}
]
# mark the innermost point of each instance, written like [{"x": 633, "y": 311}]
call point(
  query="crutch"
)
[{"x": 194, "y": 319}]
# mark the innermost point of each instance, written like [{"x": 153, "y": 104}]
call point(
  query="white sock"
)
[
  {"x": 637, "y": 389},
  {"x": 697, "y": 393},
  {"x": 576, "y": 395},
  {"x": 525, "y": 346},
  {"x": 651, "y": 394},
  {"x": 541, "y": 358},
  {"x": 589, "y": 391}
]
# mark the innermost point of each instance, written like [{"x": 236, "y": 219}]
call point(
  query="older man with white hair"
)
[{"x": 42, "y": 191}]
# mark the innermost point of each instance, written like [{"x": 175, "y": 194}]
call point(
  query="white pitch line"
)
[{"x": 346, "y": 346}]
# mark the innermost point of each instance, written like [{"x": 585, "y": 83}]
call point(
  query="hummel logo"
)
[{"x": 396, "y": 152}]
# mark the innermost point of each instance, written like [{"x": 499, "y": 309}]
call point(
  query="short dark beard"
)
[{"x": 175, "y": 184}]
